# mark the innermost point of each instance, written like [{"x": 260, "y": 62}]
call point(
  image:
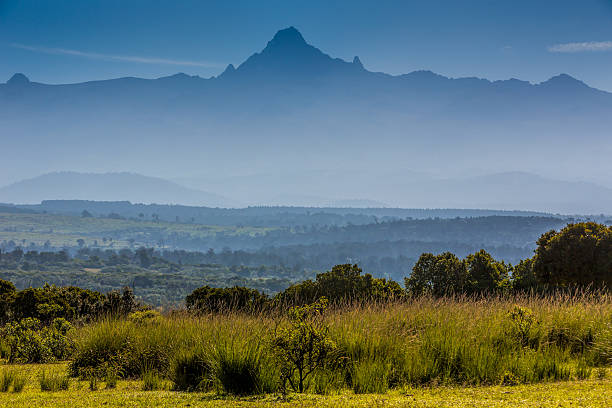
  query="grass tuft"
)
[{"x": 53, "y": 380}]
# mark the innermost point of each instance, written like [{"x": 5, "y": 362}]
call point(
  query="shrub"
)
[
  {"x": 144, "y": 317},
  {"x": 27, "y": 341},
  {"x": 522, "y": 321},
  {"x": 109, "y": 343},
  {"x": 305, "y": 346},
  {"x": 237, "y": 298},
  {"x": 5, "y": 349}
]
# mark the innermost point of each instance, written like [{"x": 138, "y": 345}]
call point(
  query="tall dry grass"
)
[{"x": 453, "y": 340}]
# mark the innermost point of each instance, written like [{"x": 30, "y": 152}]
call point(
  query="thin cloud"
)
[
  {"x": 111, "y": 57},
  {"x": 590, "y": 46}
]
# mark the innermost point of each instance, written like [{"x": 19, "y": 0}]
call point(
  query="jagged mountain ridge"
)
[{"x": 293, "y": 106}]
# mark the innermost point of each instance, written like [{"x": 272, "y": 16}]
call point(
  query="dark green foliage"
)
[
  {"x": 7, "y": 294},
  {"x": 579, "y": 254},
  {"x": 191, "y": 371},
  {"x": 523, "y": 277},
  {"x": 28, "y": 341},
  {"x": 242, "y": 366},
  {"x": 485, "y": 273},
  {"x": 207, "y": 299},
  {"x": 71, "y": 303},
  {"x": 305, "y": 346},
  {"x": 445, "y": 274},
  {"x": 344, "y": 283},
  {"x": 438, "y": 275},
  {"x": 154, "y": 279}
]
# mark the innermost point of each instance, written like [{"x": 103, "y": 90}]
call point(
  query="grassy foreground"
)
[{"x": 587, "y": 393}]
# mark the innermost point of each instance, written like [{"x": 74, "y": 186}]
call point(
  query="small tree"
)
[{"x": 305, "y": 346}]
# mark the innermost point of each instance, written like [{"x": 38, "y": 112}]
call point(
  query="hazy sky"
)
[{"x": 61, "y": 41}]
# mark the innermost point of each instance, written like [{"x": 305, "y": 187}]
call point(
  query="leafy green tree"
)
[
  {"x": 486, "y": 274},
  {"x": 438, "y": 275},
  {"x": 523, "y": 276},
  {"x": 304, "y": 346},
  {"x": 579, "y": 254},
  {"x": 237, "y": 298},
  {"x": 7, "y": 294},
  {"x": 343, "y": 283}
]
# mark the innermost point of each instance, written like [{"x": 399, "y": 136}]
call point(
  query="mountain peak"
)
[
  {"x": 18, "y": 79},
  {"x": 564, "y": 80},
  {"x": 288, "y": 37},
  {"x": 357, "y": 62},
  {"x": 229, "y": 69}
]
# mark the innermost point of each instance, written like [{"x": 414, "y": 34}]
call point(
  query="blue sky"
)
[{"x": 62, "y": 41}]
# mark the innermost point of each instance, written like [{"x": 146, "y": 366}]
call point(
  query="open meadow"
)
[
  {"x": 586, "y": 393},
  {"x": 531, "y": 351}
]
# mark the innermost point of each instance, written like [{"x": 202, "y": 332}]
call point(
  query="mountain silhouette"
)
[
  {"x": 106, "y": 187},
  {"x": 293, "y": 107}
]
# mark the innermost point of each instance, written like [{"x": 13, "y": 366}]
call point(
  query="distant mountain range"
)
[
  {"x": 293, "y": 111},
  {"x": 502, "y": 191},
  {"x": 107, "y": 187}
]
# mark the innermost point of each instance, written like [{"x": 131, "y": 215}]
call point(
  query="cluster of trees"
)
[
  {"x": 251, "y": 216},
  {"x": 71, "y": 303},
  {"x": 446, "y": 274},
  {"x": 578, "y": 255},
  {"x": 344, "y": 283}
]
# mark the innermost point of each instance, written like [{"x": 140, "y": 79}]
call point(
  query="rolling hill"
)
[{"x": 107, "y": 187}]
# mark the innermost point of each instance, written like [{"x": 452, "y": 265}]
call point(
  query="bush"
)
[
  {"x": 237, "y": 298},
  {"x": 143, "y": 317},
  {"x": 522, "y": 321},
  {"x": 305, "y": 346},
  {"x": 27, "y": 341}
]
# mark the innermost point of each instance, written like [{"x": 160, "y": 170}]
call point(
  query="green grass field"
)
[
  {"x": 586, "y": 393},
  {"x": 63, "y": 230}
]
